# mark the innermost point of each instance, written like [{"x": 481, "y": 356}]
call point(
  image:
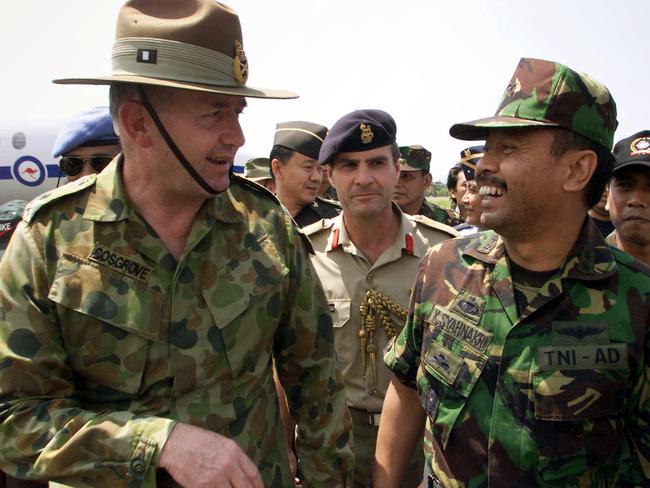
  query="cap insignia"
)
[
  {"x": 240, "y": 64},
  {"x": 467, "y": 154},
  {"x": 640, "y": 145},
  {"x": 366, "y": 133}
]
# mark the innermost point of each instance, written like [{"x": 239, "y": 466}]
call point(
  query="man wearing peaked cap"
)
[
  {"x": 86, "y": 144},
  {"x": 366, "y": 259},
  {"x": 414, "y": 179},
  {"x": 470, "y": 202},
  {"x": 527, "y": 344},
  {"x": 629, "y": 196},
  {"x": 296, "y": 172},
  {"x": 259, "y": 171},
  {"x": 159, "y": 296}
]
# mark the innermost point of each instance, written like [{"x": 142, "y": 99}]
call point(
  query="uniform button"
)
[
  {"x": 138, "y": 466},
  {"x": 369, "y": 278}
]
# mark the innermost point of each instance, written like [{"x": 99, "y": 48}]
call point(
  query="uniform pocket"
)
[
  {"x": 340, "y": 310},
  {"x": 107, "y": 323},
  {"x": 452, "y": 368},
  {"x": 245, "y": 300},
  {"x": 578, "y": 419}
]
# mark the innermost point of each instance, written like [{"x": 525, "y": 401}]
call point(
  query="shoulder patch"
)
[
  {"x": 48, "y": 198},
  {"x": 317, "y": 226},
  {"x": 254, "y": 187},
  {"x": 426, "y": 221}
]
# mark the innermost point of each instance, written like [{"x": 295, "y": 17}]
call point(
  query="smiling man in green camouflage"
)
[
  {"x": 529, "y": 351},
  {"x": 141, "y": 309}
]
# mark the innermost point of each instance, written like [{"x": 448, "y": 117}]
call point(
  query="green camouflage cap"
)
[
  {"x": 548, "y": 94},
  {"x": 414, "y": 158},
  {"x": 258, "y": 169}
]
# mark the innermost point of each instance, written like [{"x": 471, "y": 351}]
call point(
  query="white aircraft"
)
[{"x": 27, "y": 167}]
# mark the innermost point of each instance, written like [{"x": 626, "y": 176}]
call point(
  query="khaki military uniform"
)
[
  {"x": 320, "y": 209},
  {"x": 108, "y": 341},
  {"x": 347, "y": 277}
]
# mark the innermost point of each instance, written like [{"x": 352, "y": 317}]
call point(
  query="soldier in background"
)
[
  {"x": 326, "y": 190},
  {"x": 296, "y": 172},
  {"x": 528, "y": 344},
  {"x": 366, "y": 259},
  {"x": 259, "y": 171},
  {"x": 414, "y": 179},
  {"x": 470, "y": 203},
  {"x": 629, "y": 196},
  {"x": 10, "y": 214},
  {"x": 86, "y": 144},
  {"x": 143, "y": 307},
  {"x": 456, "y": 186},
  {"x": 600, "y": 215}
]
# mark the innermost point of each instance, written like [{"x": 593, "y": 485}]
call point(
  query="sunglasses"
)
[{"x": 72, "y": 166}]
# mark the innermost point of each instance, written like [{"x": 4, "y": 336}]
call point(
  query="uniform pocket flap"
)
[
  {"x": 340, "y": 310},
  {"x": 100, "y": 293},
  {"x": 230, "y": 291}
]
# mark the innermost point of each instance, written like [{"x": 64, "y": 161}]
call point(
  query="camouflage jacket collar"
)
[
  {"x": 110, "y": 202},
  {"x": 589, "y": 259}
]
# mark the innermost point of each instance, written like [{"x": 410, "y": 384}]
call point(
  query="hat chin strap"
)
[{"x": 172, "y": 145}]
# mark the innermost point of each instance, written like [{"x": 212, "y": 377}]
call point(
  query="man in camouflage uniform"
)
[
  {"x": 141, "y": 309},
  {"x": 414, "y": 179},
  {"x": 366, "y": 259},
  {"x": 470, "y": 201},
  {"x": 528, "y": 345},
  {"x": 296, "y": 172},
  {"x": 259, "y": 171},
  {"x": 629, "y": 196}
]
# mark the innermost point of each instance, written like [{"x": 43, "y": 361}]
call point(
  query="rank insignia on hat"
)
[
  {"x": 467, "y": 153},
  {"x": 148, "y": 56},
  {"x": 513, "y": 88},
  {"x": 366, "y": 133},
  {"x": 640, "y": 145},
  {"x": 240, "y": 64}
]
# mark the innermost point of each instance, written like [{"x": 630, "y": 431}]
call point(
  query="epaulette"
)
[
  {"x": 48, "y": 198},
  {"x": 426, "y": 221},
  {"x": 331, "y": 202},
  {"x": 317, "y": 226},
  {"x": 254, "y": 187}
]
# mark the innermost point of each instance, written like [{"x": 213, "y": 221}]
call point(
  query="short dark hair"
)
[
  {"x": 282, "y": 154},
  {"x": 565, "y": 140}
]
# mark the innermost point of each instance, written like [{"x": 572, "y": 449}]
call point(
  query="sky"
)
[{"x": 428, "y": 63}]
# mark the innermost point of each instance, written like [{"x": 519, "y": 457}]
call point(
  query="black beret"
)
[
  {"x": 360, "y": 130},
  {"x": 303, "y": 137},
  {"x": 633, "y": 150}
]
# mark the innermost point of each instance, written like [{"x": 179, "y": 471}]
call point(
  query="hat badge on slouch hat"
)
[{"x": 188, "y": 44}]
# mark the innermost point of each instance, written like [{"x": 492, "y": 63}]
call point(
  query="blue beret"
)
[
  {"x": 360, "y": 130},
  {"x": 469, "y": 158},
  {"x": 94, "y": 127}
]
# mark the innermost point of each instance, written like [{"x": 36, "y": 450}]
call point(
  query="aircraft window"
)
[{"x": 19, "y": 140}]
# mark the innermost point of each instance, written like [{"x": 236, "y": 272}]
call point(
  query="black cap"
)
[
  {"x": 633, "y": 151},
  {"x": 303, "y": 137},
  {"x": 360, "y": 130},
  {"x": 469, "y": 158}
]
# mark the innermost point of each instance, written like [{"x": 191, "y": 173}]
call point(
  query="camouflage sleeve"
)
[
  {"x": 307, "y": 367},
  {"x": 44, "y": 432},
  {"x": 638, "y": 425},
  {"x": 402, "y": 354}
]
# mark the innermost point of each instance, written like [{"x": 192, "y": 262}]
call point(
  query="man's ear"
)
[
  {"x": 581, "y": 165},
  {"x": 427, "y": 179},
  {"x": 276, "y": 168},
  {"x": 135, "y": 123}
]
